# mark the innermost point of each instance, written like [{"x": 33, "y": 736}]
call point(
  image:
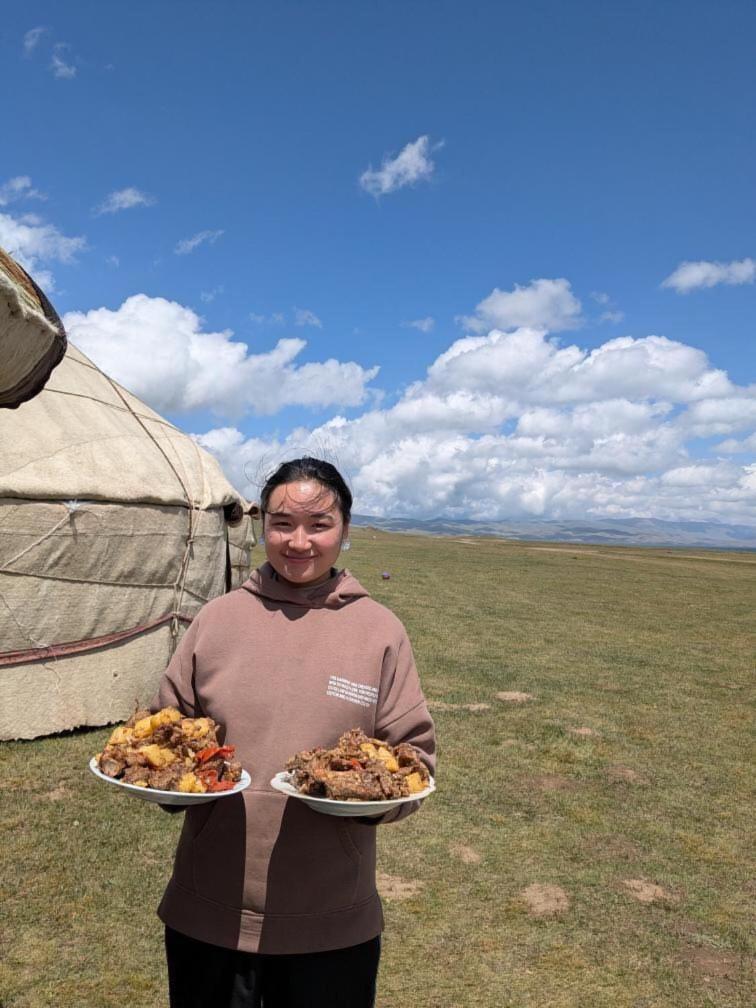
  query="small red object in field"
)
[{"x": 386, "y": 576}]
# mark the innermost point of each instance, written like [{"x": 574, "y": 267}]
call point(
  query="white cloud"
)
[
  {"x": 693, "y": 275},
  {"x": 113, "y": 260},
  {"x": 412, "y": 164},
  {"x": 542, "y": 304},
  {"x": 424, "y": 325},
  {"x": 124, "y": 199},
  {"x": 701, "y": 476},
  {"x": 511, "y": 424},
  {"x": 19, "y": 188},
  {"x": 212, "y": 294},
  {"x": 304, "y": 317},
  {"x": 720, "y": 415},
  {"x": 32, "y": 39},
  {"x": 158, "y": 350},
  {"x": 187, "y": 245},
  {"x": 734, "y": 447},
  {"x": 60, "y": 68},
  {"x": 612, "y": 316},
  {"x": 34, "y": 243}
]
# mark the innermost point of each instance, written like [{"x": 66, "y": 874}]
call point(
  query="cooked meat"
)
[
  {"x": 353, "y": 785},
  {"x": 161, "y": 750},
  {"x": 358, "y": 768},
  {"x": 111, "y": 767},
  {"x": 165, "y": 779},
  {"x": 136, "y": 774},
  {"x": 233, "y": 771}
]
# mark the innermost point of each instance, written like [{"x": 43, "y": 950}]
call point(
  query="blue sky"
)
[{"x": 581, "y": 152}]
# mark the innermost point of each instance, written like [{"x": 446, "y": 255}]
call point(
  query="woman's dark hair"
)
[{"x": 307, "y": 468}]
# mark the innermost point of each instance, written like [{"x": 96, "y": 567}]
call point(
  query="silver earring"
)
[
  {"x": 261, "y": 540},
  {"x": 346, "y": 545}
]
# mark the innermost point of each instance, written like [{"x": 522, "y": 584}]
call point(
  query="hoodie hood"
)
[{"x": 337, "y": 591}]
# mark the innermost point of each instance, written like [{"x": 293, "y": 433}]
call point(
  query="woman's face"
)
[{"x": 303, "y": 532}]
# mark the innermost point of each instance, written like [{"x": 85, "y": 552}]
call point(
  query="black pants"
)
[{"x": 207, "y": 976}]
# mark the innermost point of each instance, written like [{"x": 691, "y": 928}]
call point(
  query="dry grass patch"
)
[
  {"x": 393, "y": 887},
  {"x": 56, "y": 794},
  {"x": 583, "y": 732},
  {"x": 619, "y": 774},
  {"x": 467, "y": 855},
  {"x": 649, "y": 892},
  {"x": 514, "y": 696},
  {"x": 719, "y": 969},
  {"x": 544, "y": 900}
]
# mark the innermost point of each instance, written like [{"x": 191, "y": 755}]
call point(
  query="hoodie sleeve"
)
[
  {"x": 176, "y": 687},
  {"x": 402, "y": 716}
]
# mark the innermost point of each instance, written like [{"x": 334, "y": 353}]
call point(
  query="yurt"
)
[
  {"x": 115, "y": 528},
  {"x": 32, "y": 339}
]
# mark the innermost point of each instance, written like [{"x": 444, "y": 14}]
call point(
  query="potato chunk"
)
[
  {"x": 158, "y": 757},
  {"x": 121, "y": 736},
  {"x": 195, "y": 728},
  {"x": 415, "y": 783},
  {"x": 388, "y": 758},
  {"x": 191, "y": 784}
]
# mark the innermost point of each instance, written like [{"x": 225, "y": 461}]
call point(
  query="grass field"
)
[{"x": 586, "y": 847}]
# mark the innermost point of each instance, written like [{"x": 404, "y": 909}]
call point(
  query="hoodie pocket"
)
[
  {"x": 217, "y": 852},
  {"x": 314, "y": 865}
]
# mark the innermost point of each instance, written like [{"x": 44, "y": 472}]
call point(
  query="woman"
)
[{"x": 271, "y": 903}]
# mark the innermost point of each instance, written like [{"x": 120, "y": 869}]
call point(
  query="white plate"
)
[
  {"x": 169, "y": 797},
  {"x": 282, "y": 782}
]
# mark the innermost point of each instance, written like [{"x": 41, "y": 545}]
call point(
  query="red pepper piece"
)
[
  {"x": 221, "y": 785},
  {"x": 205, "y": 754}
]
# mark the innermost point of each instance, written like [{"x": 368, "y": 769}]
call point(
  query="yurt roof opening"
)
[{"x": 115, "y": 528}]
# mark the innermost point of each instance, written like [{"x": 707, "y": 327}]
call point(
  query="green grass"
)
[{"x": 652, "y": 649}]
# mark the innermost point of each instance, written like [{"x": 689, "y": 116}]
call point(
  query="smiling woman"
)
[
  {"x": 306, "y": 510},
  {"x": 270, "y": 901}
]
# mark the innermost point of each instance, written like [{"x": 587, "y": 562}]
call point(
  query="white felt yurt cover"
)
[{"x": 114, "y": 531}]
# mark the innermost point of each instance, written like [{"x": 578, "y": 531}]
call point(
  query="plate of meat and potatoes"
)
[
  {"x": 169, "y": 759},
  {"x": 360, "y": 776}
]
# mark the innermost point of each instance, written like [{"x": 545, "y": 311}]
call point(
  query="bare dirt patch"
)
[
  {"x": 715, "y": 967},
  {"x": 393, "y": 887},
  {"x": 583, "y": 732},
  {"x": 514, "y": 696},
  {"x": 467, "y": 855},
  {"x": 508, "y": 743},
  {"x": 648, "y": 892},
  {"x": 56, "y": 794},
  {"x": 543, "y": 900},
  {"x": 619, "y": 774},
  {"x": 441, "y": 705}
]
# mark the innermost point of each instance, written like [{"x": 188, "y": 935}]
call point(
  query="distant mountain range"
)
[{"x": 606, "y": 531}]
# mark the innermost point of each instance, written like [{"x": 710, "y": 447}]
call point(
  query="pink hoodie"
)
[{"x": 285, "y": 669}]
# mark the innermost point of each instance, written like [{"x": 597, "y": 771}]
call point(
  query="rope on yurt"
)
[
  {"x": 178, "y": 587},
  {"x": 32, "y": 546}
]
